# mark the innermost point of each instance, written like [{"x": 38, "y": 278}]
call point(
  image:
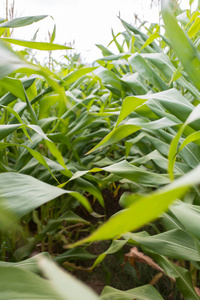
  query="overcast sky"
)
[{"x": 87, "y": 22}]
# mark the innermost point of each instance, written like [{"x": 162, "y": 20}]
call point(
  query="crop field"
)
[{"x": 100, "y": 165}]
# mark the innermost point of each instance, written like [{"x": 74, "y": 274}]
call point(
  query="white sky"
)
[{"x": 87, "y": 22}]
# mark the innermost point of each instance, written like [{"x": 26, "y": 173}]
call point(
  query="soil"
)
[{"x": 111, "y": 203}]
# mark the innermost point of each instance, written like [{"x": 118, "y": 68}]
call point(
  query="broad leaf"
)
[{"x": 22, "y": 193}]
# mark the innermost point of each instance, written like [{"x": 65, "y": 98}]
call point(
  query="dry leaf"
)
[
  {"x": 135, "y": 255},
  {"x": 197, "y": 290}
]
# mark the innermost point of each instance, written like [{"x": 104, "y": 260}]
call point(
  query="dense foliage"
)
[{"x": 81, "y": 144}]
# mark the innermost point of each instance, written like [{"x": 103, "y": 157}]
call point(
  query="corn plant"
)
[{"x": 130, "y": 124}]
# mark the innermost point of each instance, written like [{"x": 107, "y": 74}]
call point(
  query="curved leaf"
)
[
  {"x": 23, "y": 21},
  {"x": 21, "y": 193},
  {"x": 36, "y": 45}
]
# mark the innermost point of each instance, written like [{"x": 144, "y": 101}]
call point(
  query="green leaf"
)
[
  {"x": 194, "y": 116},
  {"x": 188, "y": 215},
  {"x": 9, "y": 98},
  {"x": 89, "y": 187},
  {"x": 57, "y": 154},
  {"x": 5, "y": 130},
  {"x": 146, "y": 292},
  {"x": 110, "y": 79},
  {"x": 116, "y": 135},
  {"x": 152, "y": 37},
  {"x": 104, "y": 50},
  {"x": 53, "y": 34},
  {"x": 18, "y": 118},
  {"x": 23, "y": 21},
  {"x": 119, "y": 47},
  {"x": 173, "y": 151},
  {"x": 171, "y": 222},
  {"x": 194, "y": 28},
  {"x": 189, "y": 139},
  {"x": 14, "y": 86},
  {"x": 31, "y": 110},
  {"x": 35, "y": 45},
  {"x": 129, "y": 104},
  {"x": 135, "y": 83},
  {"x": 46, "y": 104}
]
